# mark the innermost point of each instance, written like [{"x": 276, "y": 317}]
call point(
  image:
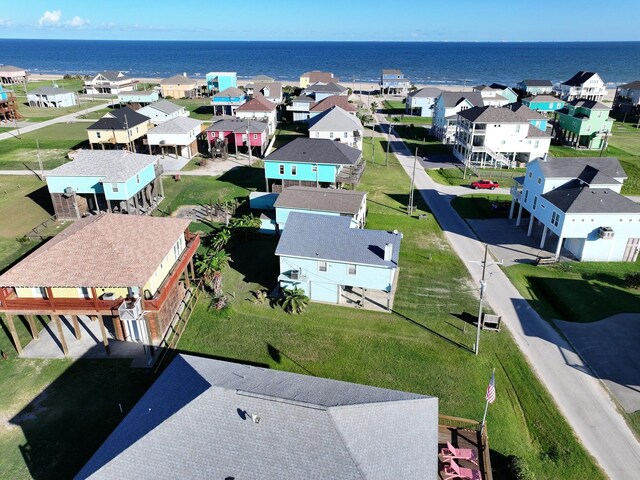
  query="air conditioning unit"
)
[
  {"x": 69, "y": 191},
  {"x": 109, "y": 296},
  {"x": 295, "y": 274},
  {"x": 605, "y": 233}
]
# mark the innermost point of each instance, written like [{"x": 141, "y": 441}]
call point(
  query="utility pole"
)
[
  {"x": 483, "y": 287},
  {"x": 249, "y": 144},
  {"x": 386, "y": 158},
  {"x": 413, "y": 180},
  {"x": 39, "y": 160}
]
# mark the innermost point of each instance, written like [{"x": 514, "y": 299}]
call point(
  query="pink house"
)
[{"x": 233, "y": 132}]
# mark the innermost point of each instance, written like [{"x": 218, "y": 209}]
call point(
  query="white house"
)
[
  {"x": 585, "y": 85},
  {"x": 272, "y": 91},
  {"x": 445, "y": 111},
  {"x": 179, "y": 135},
  {"x": 627, "y": 98},
  {"x": 535, "y": 87},
  {"x": 336, "y": 124},
  {"x": 162, "y": 111},
  {"x": 109, "y": 82},
  {"x": 421, "y": 102},
  {"x": 498, "y": 137},
  {"x": 261, "y": 109},
  {"x": 578, "y": 202},
  {"x": 300, "y": 107},
  {"x": 52, "y": 97},
  {"x": 495, "y": 95},
  {"x": 320, "y": 91}
]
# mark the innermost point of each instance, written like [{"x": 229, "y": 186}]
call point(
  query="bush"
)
[
  {"x": 24, "y": 240},
  {"x": 518, "y": 469},
  {"x": 632, "y": 280}
]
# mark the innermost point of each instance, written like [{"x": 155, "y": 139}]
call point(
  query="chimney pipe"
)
[{"x": 388, "y": 252}]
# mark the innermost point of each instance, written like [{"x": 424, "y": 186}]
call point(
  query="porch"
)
[
  {"x": 464, "y": 433},
  {"x": 351, "y": 174}
]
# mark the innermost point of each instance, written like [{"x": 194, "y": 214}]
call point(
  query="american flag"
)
[{"x": 491, "y": 389}]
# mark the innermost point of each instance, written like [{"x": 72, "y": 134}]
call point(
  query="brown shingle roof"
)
[
  {"x": 334, "y": 101},
  {"x": 257, "y": 104},
  {"x": 107, "y": 250}
]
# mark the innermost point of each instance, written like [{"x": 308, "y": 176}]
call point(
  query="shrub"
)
[
  {"x": 518, "y": 469},
  {"x": 295, "y": 300},
  {"x": 632, "y": 280}
]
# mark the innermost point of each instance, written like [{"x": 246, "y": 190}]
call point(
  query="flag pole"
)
[{"x": 486, "y": 406}]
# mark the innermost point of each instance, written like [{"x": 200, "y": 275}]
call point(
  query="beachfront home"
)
[
  {"x": 227, "y": 101},
  {"x": 178, "y": 86},
  {"x": 52, "y": 97},
  {"x": 507, "y": 92},
  {"x": 317, "y": 76},
  {"x": 163, "y": 111},
  {"x": 328, "y": 103},
  {"x": 210, "y": 419},
  {"x": 109, "y": 82},
  {"x": 330, "y": 261},
  {"x": 105, "y": 181},
  {"x": 336, "y": 124},
  {"x": 627, "y": 99},
  {"x": 320, "y": 91},
  {"x": 535, "y": 87},
  {"x": 272, "y": 91},
  {"x": 394, "y": 81},
  {"x": 121, "y": 128},
  {"x": 10, "y": 75},
  {"x": 578, "y": 202},
  {"x": 178, "y": 136},
  {"x": 300, "y": 108},
  {"x": 445, "y": 111},
  {"x": 138, "y": 97},
  {"x": 583, "y": 124},
  {"x": 421, "y": 102},
  {"x": 583, "y": 85},
  {"x": 261, "y": 109},
  {"x": 233, "y": 132},
  {"x": 219, "y": 81},
  {"x": 543, "y": 103},
  {"x": 497, "y": 137},
  {"x": 496, "y": 97},
  {"x": 8, "y": 107},
  {"x": 123, "y": 270},
  {"x": 313, "y": 163},
  {"x": 534, "y": 118}
]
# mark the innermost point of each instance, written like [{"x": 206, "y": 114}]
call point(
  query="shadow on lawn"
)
[
  {"x": 249, "y": 178},
  {"x": 42, "y": 198},
  {"x": 433, "y": 332}
]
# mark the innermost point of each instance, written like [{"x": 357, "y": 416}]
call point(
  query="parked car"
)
[{"x": 483, "y": 184}]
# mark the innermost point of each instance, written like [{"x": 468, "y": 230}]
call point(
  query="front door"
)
[{"x": 631, "y": 252}]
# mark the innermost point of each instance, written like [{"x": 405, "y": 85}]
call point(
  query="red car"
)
[{"x": 485, "y": 184}]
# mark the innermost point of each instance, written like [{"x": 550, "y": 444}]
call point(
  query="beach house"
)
[
  {"x": 227, "y": 101},
  {"x": 226, "y": 133},
  {"x": 577, "y": 201},
  {"x": 208, "y": 419},
  {"x": 583, "y": 124},
  {"x": 583, "y": 85},
  {"x": 320, "y": 91},
  {"x": 421, "y": 102},
  {"x": 272, "y": 91},
  {"x": 121, "y": 128},
  {"x": 219, "y": 81},
  {"x": 315, "y": 76},
  {"x": 330, "y": 261},
  {"x": 328, "y": 103},
  {"x": 163, "y": 111},
  {"x": 178, "y": 86},
  {"x": 10, "y": 75},
  {"x": 128, "y": 272},
  {"x": 300, "y": 108},
  {"x": 109, "y": 82},
  {"x": 97, "y": 181},
  {"x": 394, "y": 81},
  {"x": 52, "y": 97},
  {"x": 260, "y": 109},
  {"x": 178, "y": 136},
  {"x": 543, "y": 103},
  {"x": 627, "y": 98},
  {"x": 313, "y": 162},
  {"x": 336, "y": 124},
  {"x": 535, "y": 118},
  {"x": 445, "y": 111},
  {"x": 497, "y": 137},
  {"x": 496, "y": 96},
  {"x": 138, "y": 98},
  {"x": 535, "y": 87}
]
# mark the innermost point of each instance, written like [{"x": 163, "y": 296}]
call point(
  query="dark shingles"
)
[
  {"x": 451, "y": 99},
  {"x": 579, "y": 79},
  {"x": 577, "y": 197},
  {"x": 321, "y": 199},
  {"x": 537, "y": 83},
  {"x": 316, "y": 150},
  {"x": 491, "y": 115},
  {"x": 119, "y": 119},
  {"x": 572, "y": 167}
]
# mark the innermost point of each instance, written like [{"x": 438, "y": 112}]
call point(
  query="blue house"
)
[
  {"x": 143, "y": 97},
  {"x": 226, "y": 101},
  {"x": 393, "y": 81},
  {"x": 219, "y": 81},
  {"x": 105, "y": 181},
  {"x": 334, "y": 263},
  {"x": 543, "y": 103},
  {"x": 313, "y": 162}
]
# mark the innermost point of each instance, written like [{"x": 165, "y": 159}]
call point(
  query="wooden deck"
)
[{"x": 463, "y": 433}]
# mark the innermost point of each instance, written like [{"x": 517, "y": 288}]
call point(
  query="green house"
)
[{"x": 583, "y": 124}]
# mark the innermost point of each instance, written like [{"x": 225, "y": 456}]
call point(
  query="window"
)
[
  {"x": 555, "y": 219},
  {"x": 98, "y": 134},
  {"x": 314, "y": 168},
  {"x": 535, "y": 202},
  {"x": 539, "y": 180},
  {"x": 114, "y": 188},
  {"x": 281, "y": 169},
  {"x": 346, "y": 134},
  {"x": 526, "y": 196},
  {"x": 317, "y": 134},
  {"x": 294, "y": 169},
  {"x": 351, "y": 270},
  {"x": 330, "y": 134},
  {"x": 530, "y": 174},
  {"x": 138, "y": 178},
  {"x": 255, "y": 136},
  {"x": 322, "y": 266}
]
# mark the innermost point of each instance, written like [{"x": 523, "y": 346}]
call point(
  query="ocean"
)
[{"x": 430, "y": 62}]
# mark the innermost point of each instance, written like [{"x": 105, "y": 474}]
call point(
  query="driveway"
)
[{"x": 610, "y": 347}]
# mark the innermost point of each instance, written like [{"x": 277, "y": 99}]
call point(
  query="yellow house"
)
[
  {"x": 178, "y": 86},
  {"x": 121, "y": 128},
  {"x": 100, "y": 266},
  {"x": 308, "y": 78}
]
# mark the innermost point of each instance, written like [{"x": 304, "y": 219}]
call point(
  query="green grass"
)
[
  {"x": 200, "y": 108},
  {"x": 410, "y": 119},
  {"x": 74, "y": 85},
  {"x": 482, "y": 205},
  {"x": 38, "y": 114},
  {"x": 97, "y": 115},
  {"x": 421, "y": 348},
  {"x": 393, "y": 107},
  {"x": 454, "y": 176},
  {"x": 24, "y": 200},
  {"x": 287, "y": 132},
  {"x": 553, "y": 290},
  {"x": 55, "y": 142}
]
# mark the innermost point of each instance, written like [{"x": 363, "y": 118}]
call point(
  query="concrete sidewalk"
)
[{"x": 578, "y": 393}]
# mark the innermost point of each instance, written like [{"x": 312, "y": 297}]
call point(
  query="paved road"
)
[{"x": 580, "y": 396}]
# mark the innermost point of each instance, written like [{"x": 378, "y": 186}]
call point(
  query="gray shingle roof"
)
[
  {"x": 177, "y": 80},
  {"x": 112, "y": 165},
  {"x": 321, "y": 199},
  {"x": 590, "y": 104},
  {"x": 572, "y": 167},
  {"x": 525, "y": 112},
  {"x": 238, "y": 125},
  {"x": 491, "y": 115},
  {"x": 543, "y": 98},
  {"x": 261, "y": 78},
  {"x": 229, "y": 92},
  {"x": 635, "y": 85},
  {"x": 11, "y": 68},
  {"x": 577, "y": 197},
  {"x": 165, "y": 106},
  {"x": 330, "y": 87},
  {"x": 316, "y": 150},
  {"x": 326, "y": 237},
  {"x": 335, "y": 119},
  {"x": 391, "y": 71},
  {"x": 426, "y": 92},
  {"x": 537, "y": 83},
  {"x": 119, "y": 119},
  {"x": 535, "y": 132},
  {"x": 112, "y": 75},
  {"x": 179, "y": 125},
  {"x": 49, "y": 90},
  {"x": 195, "y": 422},
  {"x": 579, "y": 79},
  {"x": 451, "y": 99}
]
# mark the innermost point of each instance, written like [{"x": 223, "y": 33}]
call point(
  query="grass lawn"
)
[
  {"x": 97, "y": 115},
  {"x": 393, "y": 107},
  {"x": 410, "y": 119},
  {"x": 482, "y": 205},
  {"x": 455, "y": 176},
  {"x": 421, "y": 347},
  {"x": 55, "y": 142},
  {"x": 200, "y": 108},
  {"x": 287, "y": 132},
  {"x": 38, "y": 114}
]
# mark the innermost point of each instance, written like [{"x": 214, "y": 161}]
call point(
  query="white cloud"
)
[
  {"x": 50, "y": 18},
  {"x": 77, "y": 22},
  {"x": 5, "y": 22}
]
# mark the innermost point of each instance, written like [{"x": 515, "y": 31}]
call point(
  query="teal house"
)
[
  {"x": 226, "y": 101},
  {"x": 543, "y": 103},
  {"x": 583, "y": 124},
  {"x": 334, "y": 263},
  {"x": 219, "y": 81},
  {"x": 114, "y": 181},
  {"x": 313, "y": 162}
]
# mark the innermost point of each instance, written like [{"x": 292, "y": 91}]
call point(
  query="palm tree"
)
[
  {"x": 220, "y": 239},
  {"x": 295, "y": 300},
  {"x": 210, "y": 267},
  {"x": 374, "y": 108}
]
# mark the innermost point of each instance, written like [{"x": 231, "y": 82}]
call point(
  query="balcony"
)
[{"x": 351, "y": 174}]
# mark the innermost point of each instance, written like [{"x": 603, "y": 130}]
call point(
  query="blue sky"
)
[{"x": 400, "y": 20}]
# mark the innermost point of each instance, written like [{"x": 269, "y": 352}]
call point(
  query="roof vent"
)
[
  {"x": 388, "y": 252},
  {"x": 255, "y": 418}
]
